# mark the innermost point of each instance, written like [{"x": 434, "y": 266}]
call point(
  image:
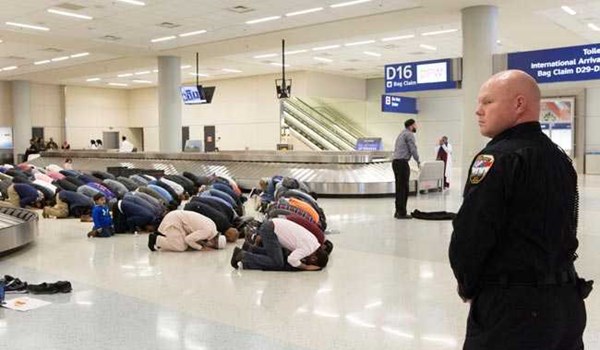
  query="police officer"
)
[
  {"x": 514, "y": 239},
  {"x": 404, "y": 148}
]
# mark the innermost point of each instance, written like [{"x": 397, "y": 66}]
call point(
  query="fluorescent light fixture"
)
[
  {"x": 264, "y": 19},
  {"x": 186, "y": 66},
  {"x": 41, "y": 62},
  {"x": 28, "y": 26},
  {"x": 192, "y": 33},
  {"x": 155, "y": 71},
  {"x": 303, "y": 12},
  {"x": 592, "y": 26},
  {"x": 200, "y": 75},
  {"x": 279, "y": 64},
  {"x": 93, "y": 79},
  {"x": 323, "y": 59},
  {"x": 62, "y": 58},
  {"x": 9, "y": 68},
  {"x": 117, "y": 84},
  {"x": 69, "y": 14},
  {"x": 428, "y": 47},
  {"x": 142, "y": 81},
  {"x": 438, "y": 32},
  {"x": 1, "y": 41},
  {"x": 77, "y": 55},
  {"x": 357, "y": 43},
  {"x": 267, "y": 55},
  {"x": 124, "y": 75},
  {"x": 133, "y": 2},
  {"x": 401, "y": 37},
  {"x": 164, "y": 38},
  {"x": 321, "y": 48},
  {"x": 349, "y": 3},
  {"x": 374, "y": 54},
  {"x": 142, "y": 72},
  {"x": 295, "y": 52},
  {"x": 569, "y": 10},
  {"x": 229, "y": 70},
  {"x": 499, "y": 42}
]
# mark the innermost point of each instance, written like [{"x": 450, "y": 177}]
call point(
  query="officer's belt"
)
[{"x": 568, "y": 276}]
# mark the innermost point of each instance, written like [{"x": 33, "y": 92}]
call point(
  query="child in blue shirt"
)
[{"x": 103, "y": 224}]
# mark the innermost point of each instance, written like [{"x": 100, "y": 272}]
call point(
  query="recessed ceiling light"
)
[
  {"x": 125, "y": 75},
  {"x": 41, "y": 62},
  {"x": 349, "y": 3},
  {"x": 69, "y": 14},
  {"x": 143, "y": 72},
  {"x": 164, "y": 38},
  {"x": 499, "y": 42},
  {"x": 303, "y": 12},
  {"x": 28, "y": 26},
  {"x": 592, "y": 26},
  {"x": 9, "y": 68},
  {"x": 192, "y": 33},
  {"x": 77, "y": 55},
  {"x": 155, "y": 71},
  {"x": 438, "y": 32},
  {"x": 374, "y": 54},
  {"x": 569, "y": 10},
  {"x": 133, "y": 2},
  {"x": 117, "y": 84},
  {"x": 62, "y": 58},
  {"x": 267, "y": 55},
  {"x": 295, "y": 52},
  {"x": 401, "y": 37},
  {"x": 279, "y": 64},
  {"x": 264, "y": 19},
  {"x": 228, "y": 70},
  {"x": 199, "y": 74},
  {"x": 93, "y": 79},
  {"x": 1, "y": 41},
  {"x": 142, "y": 81},
  {"x": 323, "y": 59},
  {"x": 320, "y": 48},
  {"x": 428, "y": 47},
  {"x": 357, "y": 43}
]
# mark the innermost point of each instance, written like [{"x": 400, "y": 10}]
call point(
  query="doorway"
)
[
  {"x": 110, "y": 139},
  {"x": 185, "y": 135}
]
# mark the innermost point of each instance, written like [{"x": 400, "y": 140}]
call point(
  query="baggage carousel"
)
[
  {"x": 326, "y": 173},
  {"x": 18, "y": 227}
]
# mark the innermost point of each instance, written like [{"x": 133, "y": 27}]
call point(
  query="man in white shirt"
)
[
  {"x": 181, "y": 229},
  {"x": 305, "y": 251},
  {"x": 126, "y": 146}
]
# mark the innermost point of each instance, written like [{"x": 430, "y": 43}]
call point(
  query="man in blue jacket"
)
[{"x": 23, "y": 195}]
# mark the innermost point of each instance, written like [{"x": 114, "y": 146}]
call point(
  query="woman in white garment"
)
[{"x": 443, "y": 152}]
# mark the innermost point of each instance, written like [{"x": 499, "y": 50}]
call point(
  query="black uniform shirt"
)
[{"x": 519, "y": 214}]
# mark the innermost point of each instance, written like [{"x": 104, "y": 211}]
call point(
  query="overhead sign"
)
[
  {"x": 561, "y": 64},
  {"x": 419, "y": 76},
  {"x": 192, "y": 95},
  {"x": 398, "y": 104}
]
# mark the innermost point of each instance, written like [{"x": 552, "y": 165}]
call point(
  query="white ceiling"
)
[{"x": 230, "y": 43}]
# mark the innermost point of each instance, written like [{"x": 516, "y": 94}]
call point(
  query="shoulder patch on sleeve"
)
[{"x": 482, "y": 165}]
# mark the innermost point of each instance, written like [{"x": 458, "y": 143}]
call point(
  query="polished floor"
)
[{"x": 388, "y": 286}]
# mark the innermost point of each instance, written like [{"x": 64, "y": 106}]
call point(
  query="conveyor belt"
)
[
  {"x": 335, "y": 175},
  {"x": 18, "y": 227}
]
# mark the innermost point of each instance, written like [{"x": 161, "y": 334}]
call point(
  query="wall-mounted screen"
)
[
  {"x": 556, "y": 116},
  {"x": 6, "y": 139},
  {"x": 193, "y": 95}
]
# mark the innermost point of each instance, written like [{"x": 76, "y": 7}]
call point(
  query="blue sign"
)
[
  {"x": 398, "y": 104},
  {"x": 419, "y": 76},
  {"x": 562, "y": 64},
  {"x": 192, "y": 95},
  {"x": 369, "y": 144}
]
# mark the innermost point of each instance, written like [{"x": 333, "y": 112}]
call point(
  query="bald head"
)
[{"x": 507, "y": 99}]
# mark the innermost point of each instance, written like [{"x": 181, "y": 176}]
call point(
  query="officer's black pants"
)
[
  {"x": 402, "y": 175},
  {"x": 526, "y": 318}
]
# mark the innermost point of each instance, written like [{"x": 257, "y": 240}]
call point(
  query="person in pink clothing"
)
[
  {"x": 55, "y": 175},
  {"x": 181, "y": 229},
  {"x": 43, "y": 177}
]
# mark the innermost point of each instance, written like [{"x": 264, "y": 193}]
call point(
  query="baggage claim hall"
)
[{"x": 315, "y": 174}]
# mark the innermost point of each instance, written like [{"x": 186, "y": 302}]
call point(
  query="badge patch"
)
[{"x": 482, "y": 165}]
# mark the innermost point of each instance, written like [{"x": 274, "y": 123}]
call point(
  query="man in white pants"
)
[{"x": 181, "y": 229}]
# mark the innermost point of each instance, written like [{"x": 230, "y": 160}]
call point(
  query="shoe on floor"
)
[
  {"x": 14, "y": 285},
  {"x": 50, "y": 288},
  {"x": 403, "y": 217},
  {"x": 236, "y": 257},
  {"x": 152, "y": 241}
]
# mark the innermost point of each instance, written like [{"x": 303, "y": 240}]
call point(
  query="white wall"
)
[
  {"x": 592, "y": 131},
  {"x": 5, "y": 104},
  {"x": 47, "y": 110}
]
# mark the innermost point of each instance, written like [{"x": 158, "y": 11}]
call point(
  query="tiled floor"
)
[{"x": 388, "y": 286}]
